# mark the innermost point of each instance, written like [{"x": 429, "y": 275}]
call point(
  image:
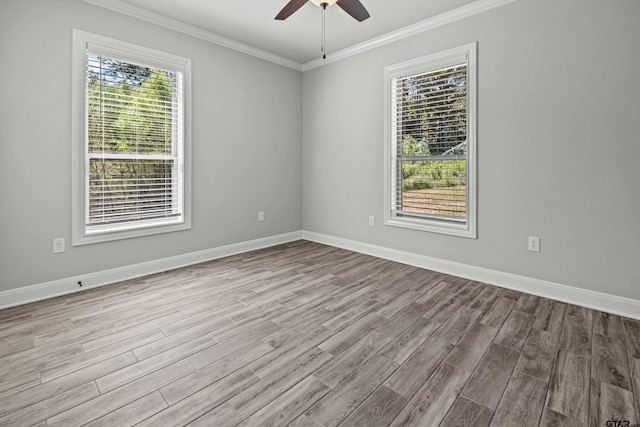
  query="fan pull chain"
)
[{"x": 323, "y": 47}]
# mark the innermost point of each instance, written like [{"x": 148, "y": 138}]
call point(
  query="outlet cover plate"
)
[
  {"x": 534, "y": 244},
  {"x": 58, "y": 245}
]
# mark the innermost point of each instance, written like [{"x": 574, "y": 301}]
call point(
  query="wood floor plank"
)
[
  {"x": 17, "y": 384},
  {"x": 523, "y": 402},
  {"x": 312, "y": 291},
  {"x": 378, "y": 410},
  {"x": 213, "y": 353},
  {"x": 433, "y": 400},
  {"x": 53, "y": 369},
  {"x": 151, "y": 321},
  {"x": 46, "y": 408},
  {"x": 608, "y": 325},
  {"x": 498, "y": 313},
  {"x": 132, "y": 413},
  {"x": 538, "y": 355},
  {"x": 288, "y": 336},
  {"x": 472, "y": 347},
  {"x": 550, "y": 317},
  {"x": 180, "y": 338},
  {"x": 635, "y": 368},
  {"x": 405, "y": 344},
  {"x": 223, "y": 415},
  {"x": 402, "y": 320},
  {"x": 419, "y": 367},
  {"x": 269, "y": 388},
  {"x": 434, "y": 293},
  {"x": 457, "y": 325},
  {"x": 491, "y": 377},
  {"x": 632, "y": 340},
  {"x": 632, "y": 335},
  {"x": 280, "y": 357},
  {"x": 55, "y": 387},
  {"x": 15, "y": 345},
  {"x": 203, "y": 401},
  {"x": 612, "y": 403},
  {"x": 199, "y": 318},
  {"x": 397, "y": 304},
  {"x": 256, "y": 311},
  {"x": 577, "y": 331},
  {"x": 609, "y": 362},
  {"x": 113, "y": 400},
  {"x": 484, "y": 300},
  {"x": 551, "y": 418},
  {"x": 513, "y": 333},
  {"x": 339, "y": 403},
  {"x": 241, "y": 327},
  {"x": 128, "y": 335},
  {"x": 349, "y": 335},
  {"x": 36, "y": 359},
  {"x": 352, "y": 314},
  {"x": 289, "y": 405},
  {"x": 311, "y": 312},
  {"x": 569, "y": 387},
  {"x": 351, "y": 298},
  {"x": 140, "y": 369},
  {"x": 444, "y": 308},
  {"x": 465, "y": 413},
  {"x": 332, "y": 373},
  {"x": 528, "y": 304},
  {"x": 72, "y": 335},
  {"x": 211, "y": 373}
]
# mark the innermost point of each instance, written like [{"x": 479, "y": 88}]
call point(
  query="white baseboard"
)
[
  {"x": 613, "y": 304},
  {"x": 69, "y": 285},
  {"x": 591, "y": 299}
]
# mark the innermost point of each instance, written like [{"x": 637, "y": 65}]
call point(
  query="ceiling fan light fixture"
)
[
  {"x": 352, "y": 7},
  {"x": 320, "y": 2}
]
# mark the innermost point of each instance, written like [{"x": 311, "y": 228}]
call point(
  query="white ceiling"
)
[{"x": 251, "y": 22}]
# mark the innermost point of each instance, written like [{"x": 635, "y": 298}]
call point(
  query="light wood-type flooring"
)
[{"x": 309, "y": 335}]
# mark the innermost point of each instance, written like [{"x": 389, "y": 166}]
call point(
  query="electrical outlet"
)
[
  {"x": 534, "y": 244},
  {"x": 58, "y": 245},
  {"x": 372, "y": 220},
  {"x": 260, "y": 216}
]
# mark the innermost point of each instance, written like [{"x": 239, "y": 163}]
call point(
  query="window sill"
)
[
  {"x": 91, "y": 237},
  {"x": 433, "y": 226}
]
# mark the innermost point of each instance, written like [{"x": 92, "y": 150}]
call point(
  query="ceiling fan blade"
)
[
  {"x": 354, "y": 8},
  {"x": 290, "y": 8}
]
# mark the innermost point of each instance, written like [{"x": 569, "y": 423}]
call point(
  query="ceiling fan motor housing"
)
[{"x": 321, "y": 2}]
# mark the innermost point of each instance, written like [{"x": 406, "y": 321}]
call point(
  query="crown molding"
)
[
  {"x": 463, "y": 12},
  {"x": 408, "y": 31},
  {"x": 192, "y": 30}
]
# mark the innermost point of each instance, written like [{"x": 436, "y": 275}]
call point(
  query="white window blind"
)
[
  {"x": 134, "y": 139},
  {"x": 430, "y": 140}
]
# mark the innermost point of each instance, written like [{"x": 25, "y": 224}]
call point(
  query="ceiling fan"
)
[{"x": 352, "y": 7}]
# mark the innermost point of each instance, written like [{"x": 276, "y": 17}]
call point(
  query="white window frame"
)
[
  {"x": 427, "y": 64},
  {"x": 81, "y": 233}
]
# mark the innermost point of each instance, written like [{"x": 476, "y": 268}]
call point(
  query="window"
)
[
  {"x": 131, "y": 140},
  {"x": 430, "y": 143}
]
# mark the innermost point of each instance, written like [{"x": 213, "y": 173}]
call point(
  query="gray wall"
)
[
  {"x": 558, "y": 143},
  {"x": 247, "y": 135}
]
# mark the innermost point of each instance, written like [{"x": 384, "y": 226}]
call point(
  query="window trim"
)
[
  {"x": 136, "y": 54},
  {"x": 426, "y": 64}
]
